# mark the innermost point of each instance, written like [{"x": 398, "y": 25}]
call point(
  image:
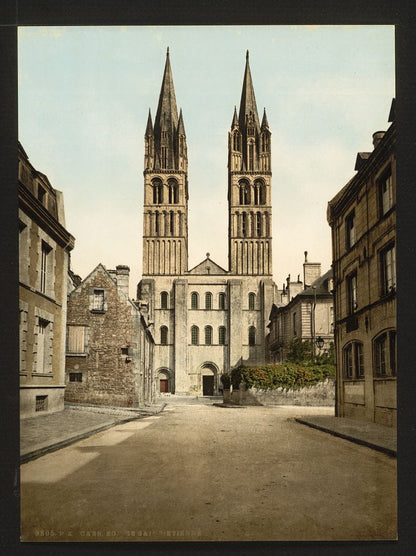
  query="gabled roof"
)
[
  {"x": 91, "y": 275},
  {"x": 207, "y": 266}
]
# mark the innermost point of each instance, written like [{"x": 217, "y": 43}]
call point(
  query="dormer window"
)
[{"x": 42, "y": 194}]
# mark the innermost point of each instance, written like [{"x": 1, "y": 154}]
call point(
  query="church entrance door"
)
[
  {"x": 208, "y": 385},
  {"x": 164, "y": 385}
]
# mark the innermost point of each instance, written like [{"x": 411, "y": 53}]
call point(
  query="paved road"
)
[{"x": 199, "y": 472}]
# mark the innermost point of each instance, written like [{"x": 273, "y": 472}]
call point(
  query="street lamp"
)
[{"x": 320, "y": 342}]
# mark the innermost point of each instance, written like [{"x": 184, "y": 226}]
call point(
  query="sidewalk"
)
[
  {"x": 372, "y": 435},
  {"x": 47, "y": 433}
]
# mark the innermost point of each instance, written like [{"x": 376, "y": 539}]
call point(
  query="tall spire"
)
[
  {"x": 181, "y": 127},
  {"x": 167, "y": 112},
  {"x": 248, "y": 100},
  {"x": 264, "y": 122},
  {"x": 149, "y": 127},
  {"x": 234, "y": 123}
]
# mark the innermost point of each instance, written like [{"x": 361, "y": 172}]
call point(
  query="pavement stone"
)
[
  {"x": 372, "y": 435},
  {"x": 46, "y": 433}
]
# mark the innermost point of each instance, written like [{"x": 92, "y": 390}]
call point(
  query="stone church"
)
[{"x": 206, "y": 320}]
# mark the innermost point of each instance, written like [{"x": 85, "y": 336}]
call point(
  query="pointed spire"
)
[
  {"x": 167, "y": 111},
  {"x": 149, "y": 127},
  {"x": 181, "y": 127},
  {"x": 248, "y": 100},
  {"x": 234, "y": 123},
  {"x": 264, "y": 122}
]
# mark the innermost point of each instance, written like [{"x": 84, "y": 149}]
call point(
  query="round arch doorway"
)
[
  {"x": 209, "y": 375},
  {"x": 165, "y": 381}
]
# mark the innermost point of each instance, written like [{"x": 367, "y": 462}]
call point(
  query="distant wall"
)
[{"x": 322, "y": 394}]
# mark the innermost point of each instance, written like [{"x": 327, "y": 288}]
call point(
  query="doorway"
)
[
  {"x": 164, "y": 385},
  {"x": 208, "y": 385}
]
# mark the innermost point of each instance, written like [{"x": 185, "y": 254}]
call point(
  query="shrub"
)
[
  {"x": 285, "y": 375},
  {"x": 226, "y": 381}
]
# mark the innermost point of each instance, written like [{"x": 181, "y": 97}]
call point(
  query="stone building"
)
[
  {"x": 109, "y": 347},
  {"x": 207, "y": 319},
  {"x": 362, "y": 217},
  {"x": 44, "y": 248},
  {"x": 305, "y": 312}
]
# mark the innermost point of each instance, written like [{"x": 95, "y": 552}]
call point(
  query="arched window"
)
[
  {"x": 258, "y": 224},
  {"x": 259, "y": 193},
  {"x": 157, "y": 191},
  {"x": 236, "y": 142},
  {"x": 384, "y": 354},
  {"x": 251, "y": 301},
  {"x": 353, "y": 360},
  {"x": 252, "y": 336},
  {"x": 164, "y": 300},
  {"x": 171, "y": 222},
  {"x": 164, "y": 335},
  {"x": 250, "y": 157},
  {"x": 221, "y": 301},
  {"x": 244, "y": 192},
  {"x": 194, "y": 335},
  {"x": 173, "y": 190},
  {"x": 157, "y": 223},
  {"x": 194, "y": 300},
  {"x": 244, "y": 226},
  {"x": 208, "y": 300},
  {"x": 221, "y": 335},
  {"x": 208, "y": 335}
]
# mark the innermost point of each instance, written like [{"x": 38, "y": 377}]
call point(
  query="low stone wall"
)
[{"x": 322, "y": 393}]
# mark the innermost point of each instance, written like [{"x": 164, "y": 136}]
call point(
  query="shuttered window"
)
[{"x": 75, "y": 339}]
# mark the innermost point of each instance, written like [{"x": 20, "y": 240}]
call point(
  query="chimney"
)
[
  {"x": 311, "y": 272},
  {"x": 377, "y": 137},
  {"x": 123, "y": 274}
]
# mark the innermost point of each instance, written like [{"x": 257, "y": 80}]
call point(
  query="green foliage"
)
[
  {"x": 285, "y": 375},
  {"x": 226, "y": 380},
  {"x": 300, "y": 352}
]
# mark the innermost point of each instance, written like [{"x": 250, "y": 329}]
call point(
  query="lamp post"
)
[{"x": 313, "y": 322}]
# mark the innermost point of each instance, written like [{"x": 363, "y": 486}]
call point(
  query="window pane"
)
[
  {"x": 221, "y": 335},
  {"x": 208, "y": 335},
  {"x": 98, "y": 303},
  {"x": 251, "y": 301},
  {"x": 208, "y": 300},
  {"x": 194, "y": 300},
  {"x": 195, "y": 335},
  {"x": 251, "y": 336}
]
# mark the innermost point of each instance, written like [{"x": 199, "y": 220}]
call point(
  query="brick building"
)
[
  {"x": 109, "y": 348},
  {"x": 305, "y": 312},
  {"x": 207, "y": 319},
  {"x": 363, "y": 221},
  {"x": 44, "y": 249}
]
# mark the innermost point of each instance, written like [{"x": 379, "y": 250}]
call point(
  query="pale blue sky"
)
[{"x": 84, "y": 95}]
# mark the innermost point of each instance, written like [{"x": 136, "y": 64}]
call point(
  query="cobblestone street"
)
[{"x": 200, "y": 472}]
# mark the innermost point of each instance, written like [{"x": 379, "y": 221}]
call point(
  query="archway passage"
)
[{"x": 209, "y": 379}]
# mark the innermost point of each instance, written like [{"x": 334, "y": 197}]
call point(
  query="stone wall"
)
[
  {"x": 321, "y": 394},
  {"x": 109, "y": 374}
]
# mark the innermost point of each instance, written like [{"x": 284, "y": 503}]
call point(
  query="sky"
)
[{"x": 84, "y": 95}]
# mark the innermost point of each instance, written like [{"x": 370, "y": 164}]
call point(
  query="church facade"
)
[{"x": 207, "y": 319}]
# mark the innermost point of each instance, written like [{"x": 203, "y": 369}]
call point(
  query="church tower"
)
[
  {"x": 165, "y": 218},
  {"x": 249, "y": 188}
]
